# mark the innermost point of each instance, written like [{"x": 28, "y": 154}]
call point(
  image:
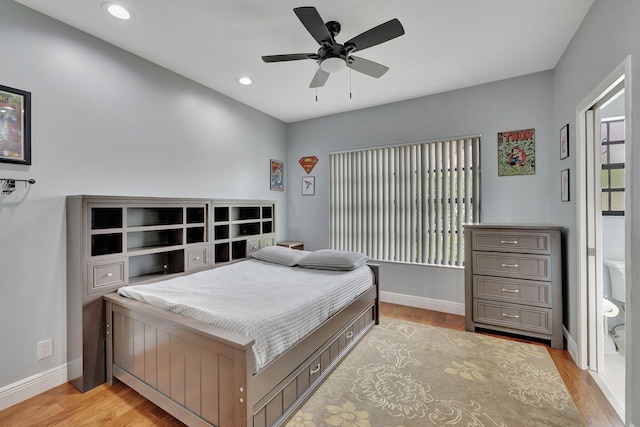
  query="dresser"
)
[{"x": 513, "y": 280}]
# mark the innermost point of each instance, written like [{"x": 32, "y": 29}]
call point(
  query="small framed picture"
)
[
  {"x": 564, "y": 185},
  {"x": 564, "y": 142},
  {"x": 15, "y": 126},
  {"x": 276, "y": 182},
  {"x": 308, "y": 185}
]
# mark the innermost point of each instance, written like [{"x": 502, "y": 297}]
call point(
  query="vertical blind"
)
[{"x": 406, "y": 203}]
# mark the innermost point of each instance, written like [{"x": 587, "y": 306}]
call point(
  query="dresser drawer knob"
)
[
  {"x": 509, "y": 242},
  {"x": 109, "y": 274},
  {"x": 511, "y": 291},
  {"x": 316, "y": 369},
  {"x": 510, "y": 316},
  {"x": 349, "y": 335},
  {"x": 197, "y": 258},
  {"x": 510, "y": 265}
]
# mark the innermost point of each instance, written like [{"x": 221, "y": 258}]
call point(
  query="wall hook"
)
[{"x": 8, "y": 185}]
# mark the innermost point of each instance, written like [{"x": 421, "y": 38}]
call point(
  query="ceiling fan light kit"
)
[
  {"x": 333, "y": 64},
  {"x": 332, "y": 56}
]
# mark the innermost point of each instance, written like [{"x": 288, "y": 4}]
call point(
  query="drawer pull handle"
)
[
  {"x": 197, "y": 258},
  {"x": 510, "y": 265},
  {"x": 510, "y": 316},
  {"x": 109, "y": 274},
  {"x": 349, "y": 335},
  {"x": 511, "y": 291},
  {"x": 509, "y": 242},
  {"x": 316, "y": 369}
]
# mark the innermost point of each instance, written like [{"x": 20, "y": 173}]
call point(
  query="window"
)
[
  {"x": 612, "y": 157},
  {"x": 406, "y": 203}
]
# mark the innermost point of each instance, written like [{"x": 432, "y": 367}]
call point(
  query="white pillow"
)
[
  {"x": 329, "y": 259},
  {"x": 280, "y": 255}
]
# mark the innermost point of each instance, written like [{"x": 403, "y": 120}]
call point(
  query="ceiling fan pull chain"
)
[{"x": 350, "y": 92}]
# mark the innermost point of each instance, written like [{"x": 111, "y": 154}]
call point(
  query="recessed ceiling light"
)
[
  {"x": 117, "y": 11},
  {"x": 244, "y": 81}
]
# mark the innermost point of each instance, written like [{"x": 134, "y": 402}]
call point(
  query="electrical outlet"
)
[{"x": 45, "y": 348}]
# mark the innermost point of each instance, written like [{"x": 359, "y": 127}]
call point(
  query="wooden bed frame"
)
[{"x": 202, "y": 374}]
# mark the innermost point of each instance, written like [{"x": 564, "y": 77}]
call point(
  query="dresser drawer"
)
[
  {"x": 253, "y": 245},
  {"x": 505, "y": 241},
  {"x": 197, "y": 258},
  {"x": 268, "y": 241},
  {"x": 106, "y": 275},
  {"x": 522, "y": 266},
  {"x": 513, "y": 316},
  {"x": 516, "y": 291}
]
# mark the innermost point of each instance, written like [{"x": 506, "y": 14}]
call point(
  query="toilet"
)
[
  {"x": 609, "y": 309},
  {"x": 616, "y": 273},
  {"x": 618, "y": 291}
]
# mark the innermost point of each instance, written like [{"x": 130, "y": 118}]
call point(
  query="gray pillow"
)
[
  {"x": 279, "y": 255},
  {"x": 329, "y": 259}
]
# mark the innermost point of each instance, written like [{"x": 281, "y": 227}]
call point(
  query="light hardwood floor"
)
[{"x": 121, "y": 406}]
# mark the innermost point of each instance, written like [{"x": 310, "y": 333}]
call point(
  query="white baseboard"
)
[
  {"x": 32, "y": 386},
  {"x": 422, "y": 302},
  {"x": 572, "y": 347}
]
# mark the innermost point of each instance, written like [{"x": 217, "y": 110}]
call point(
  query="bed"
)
[{"x": 205, "y": 369}]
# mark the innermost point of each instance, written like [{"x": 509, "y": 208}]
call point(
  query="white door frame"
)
[
  {"x": 586, "y": 310},
  {"x": 589, "y": 292}
]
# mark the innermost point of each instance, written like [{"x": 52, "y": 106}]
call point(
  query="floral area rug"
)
[{"x": 405, "y": 374}]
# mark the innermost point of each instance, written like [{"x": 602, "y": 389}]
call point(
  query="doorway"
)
[{"x": 603, "y": 188}]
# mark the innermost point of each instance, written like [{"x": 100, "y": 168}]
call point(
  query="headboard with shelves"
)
[
  {"x": 241, "y": 227},
  {"x": 115, "y": 241}
]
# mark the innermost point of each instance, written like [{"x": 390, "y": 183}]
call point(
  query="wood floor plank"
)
[{"x": 119, "y": 405}]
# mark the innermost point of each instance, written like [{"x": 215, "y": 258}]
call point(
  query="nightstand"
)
[{"x": 292, "y": 244}]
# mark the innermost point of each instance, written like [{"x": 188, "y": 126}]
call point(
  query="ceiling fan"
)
[{"x": 332, "y": 56}]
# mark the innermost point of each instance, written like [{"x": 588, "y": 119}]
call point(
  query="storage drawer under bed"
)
[{"x": 317, "y": 367}]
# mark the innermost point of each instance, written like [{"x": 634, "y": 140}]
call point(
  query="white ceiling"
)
[{"x": 448, "y": 44}]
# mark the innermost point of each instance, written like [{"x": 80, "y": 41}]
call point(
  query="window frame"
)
[{"x": 607, "y": 166}]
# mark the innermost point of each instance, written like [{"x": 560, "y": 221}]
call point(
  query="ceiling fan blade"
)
[
  {"x": 367, "y": 67},
  {"x": 380, "y": 34},
  {"x": 319, "y": 79},
  {"x": 289, "y": 57},
  {"x": 312, "y": 21}
]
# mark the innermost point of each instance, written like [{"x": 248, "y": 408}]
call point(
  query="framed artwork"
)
[
  {"x": 308, "y": 163},
  {"x": 564, "y": 185},
  {"x": 276, "y": 182},
  {"x": 517, "y": 152},
  {"x": 15, "y": 126},
  {"x": 308, "y": 185},
  {"x": 564, "y": 142}
]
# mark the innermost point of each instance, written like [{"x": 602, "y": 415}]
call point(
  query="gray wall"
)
[
  {"x": 518, "y": 103},
  {"x": 609, "y": 33},
  {"x": 105, "y": 122}
]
